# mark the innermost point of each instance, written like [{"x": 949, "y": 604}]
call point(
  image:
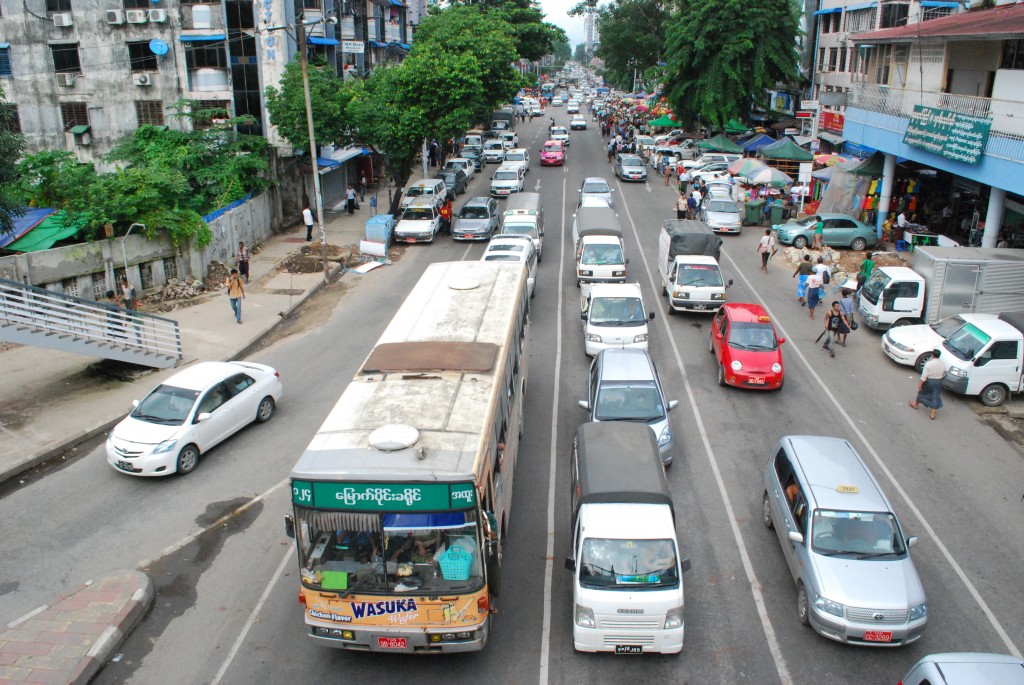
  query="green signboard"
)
[
  {"x": 960, "y": 137},
  {"x": 384, "y": 497}
]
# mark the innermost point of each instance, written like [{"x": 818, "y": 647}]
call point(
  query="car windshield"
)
[
  {"x": 862, "y": 534},
  {"x": 492, "y": 145},
  {"x": 616, "y": 311},
  {"x": 631, "y": 161},
  {"x": 699, "y": 275},
  {"x": 502, "y": 258},
  {"x": 393, "y": 553},
  {"x": 601, "y": 254},
  {"x": 507, "y": 247},
  {"x": 967, "y": 342},
  {"x": 415, "y": 191},
  {"x": 418, "y": 214},
  {"x": 629, "y": 402},
  {"x": 166, "y": 405},
  {"x": 724, "y": 206},
  {"x": 470, "y": 212},
  {"x": 506, "y": 176},
  {"x": 805, "y": 222},
  {"x": 559, "y": 130},
  {"x": 873, "y": 287},
  {"x": 514, "y": 157},
  {"x": 518, "y": 229},
  {"x": 471, "y": 154},
  {"x": 596, "y": 187},
  {"x": 629, "y": 565},
  {"x": 947, "y": 326},
  {"x": 553, "y": 148},
  {"x": 752, "y": 336}
]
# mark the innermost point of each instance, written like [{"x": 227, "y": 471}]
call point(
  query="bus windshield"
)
[
  {"x": 610, "y": 564},
  {"x": 390, "y": 553}
]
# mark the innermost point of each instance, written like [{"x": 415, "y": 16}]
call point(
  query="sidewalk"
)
[{"x": 51, "y": 401}]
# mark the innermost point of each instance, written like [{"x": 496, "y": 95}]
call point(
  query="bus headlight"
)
[
  {"x": 674, "y": 618},
  {"x": 584, "y": 616}
]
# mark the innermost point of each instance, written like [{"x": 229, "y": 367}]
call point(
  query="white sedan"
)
[
  {"x": 578, "y": 123},
  {"x": 190, "y": 413},
  {"x": 514, "y": 248}
]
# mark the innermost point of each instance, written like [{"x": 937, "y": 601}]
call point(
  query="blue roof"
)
[
  {"x": 317, "y": 40},
  {"x": 758, "y": 142},
  {"x": 834, "y": 10},
  {"x": 203, "y": 38},
  {"x": 934, "y": 3},
  {"x": 26, "y": 222},
  {"x": 377, "y": 44},
  {"x": 325, "y": 163}
]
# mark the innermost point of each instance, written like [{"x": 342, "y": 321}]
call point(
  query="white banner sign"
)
[{"x": 354, "y": 47}]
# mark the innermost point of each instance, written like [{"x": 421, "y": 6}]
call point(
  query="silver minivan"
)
[
  {"x": 856, "y": 582},
  {"x": 624, "y": 386}
]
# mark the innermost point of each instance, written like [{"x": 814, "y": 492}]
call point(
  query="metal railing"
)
[{"x": 79, "y": 320}]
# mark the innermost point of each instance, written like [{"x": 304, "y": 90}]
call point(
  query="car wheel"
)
[
  {"x": 858, "y": 244},
  {"x": 766, "y": 512},
  {"x": 711, "y": 345},
  {"x": 265, "y": 410},
  {"x": 721, "y": 374},
  {"x": 800, "y": 242},
  {"x": 993, "y": 395},
  {"x": 188, "y": 459},
  {"x": 921, "y": 361},
  {"x": 540, "y": 257},
  {"x": 802, "y": 610}
]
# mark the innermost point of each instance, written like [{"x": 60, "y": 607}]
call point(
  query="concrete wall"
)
[{"x": 250, "y": 222}]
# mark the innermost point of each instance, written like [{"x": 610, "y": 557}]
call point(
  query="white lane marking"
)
[
  {"x": 174, "y": 547},
  {"x": 993, "y": 621},
  {"x": 545, "y": 635},
  {"x": 536, "y": 186},
  {"x": 748, "y": 567},
  {"x": 466, "y": 252},
  {"x": 252, "y": 617}
]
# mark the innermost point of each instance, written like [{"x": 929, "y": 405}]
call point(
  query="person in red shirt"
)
[{"x": 446, "y": 217}]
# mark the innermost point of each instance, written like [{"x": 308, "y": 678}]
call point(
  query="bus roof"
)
[{"x": 432, "y": 370}]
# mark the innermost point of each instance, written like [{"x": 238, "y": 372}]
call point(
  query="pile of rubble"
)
[
  {"x": 176, "y": 289},
  {"x": 309, "y": 258},
  {"x": 216, "y": 275}
]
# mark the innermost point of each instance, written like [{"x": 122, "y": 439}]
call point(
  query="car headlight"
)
[
  {"x": 718, "y": 296},
  {"x": 665, "y": 437},
  {"x": 736, "y": 365},
  {"x": 591, "y": 337},
  {"x": 674, "y": 618},
  {"x": 776, "y": 368},
  {"x": 584, "y": 616},
  {"x": 958, "y": 372},
  {"x": 586, "y": 273},
  {"x": 681, "y": 295},
  {"x": 618, "y": 273},
  {"x": 640, "y": 338},
  {"x": 898, "y": 346},
  {"x": 165, "y": 446},
  {"x": 828, "y": 606},
  {"x": 918, "y": 612},
  {"x": 873, "y": 318}
]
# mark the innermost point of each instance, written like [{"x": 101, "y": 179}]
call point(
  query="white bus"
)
[{"x": 402, "y": 499}]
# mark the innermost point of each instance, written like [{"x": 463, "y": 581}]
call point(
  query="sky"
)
[{"x": 555, "y": 12}]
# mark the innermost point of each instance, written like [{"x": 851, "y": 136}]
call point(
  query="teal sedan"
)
[{"x": 840, "y": 230}]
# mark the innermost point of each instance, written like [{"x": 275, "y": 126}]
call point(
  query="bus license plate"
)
[
  {"x": 877, "y": 636},
  {"x": 629, "y": 649},
  {"x": 392, "y": 643}
]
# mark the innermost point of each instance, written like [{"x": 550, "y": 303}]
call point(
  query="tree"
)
[
  {"x": 721, "y": 55},
  {"x": 534, "y": 37},
  {"x": 329, "y": 96},
  {"x": 11, "y": 146},
  {"x": 632, "y": 36},
  {"x": 581, "y": 52},
  {"x": 562, "y": 51}
]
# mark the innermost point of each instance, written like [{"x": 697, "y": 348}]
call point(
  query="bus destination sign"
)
[{"x": 384, "y": 497}]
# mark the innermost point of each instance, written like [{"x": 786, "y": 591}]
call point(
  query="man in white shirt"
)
[
  {"x": 307, "y": 218},
  {"x": 901, "y": 220}
]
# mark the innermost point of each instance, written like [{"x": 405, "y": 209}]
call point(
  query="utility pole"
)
[{"x": 318, "y": 200}]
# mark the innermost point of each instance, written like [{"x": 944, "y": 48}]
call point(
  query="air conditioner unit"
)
[
  {"x": 66, "y": 80},
  {"x": 158, "y": 16},
  {"x": 62, "y": 19},
  {"x": 136, "y": 16},
  {"x": 143, "y": 80},
  {"x": 115, "y": 17}
]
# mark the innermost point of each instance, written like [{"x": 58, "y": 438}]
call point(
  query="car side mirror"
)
[
  {"x": 289, "y": 526},
  {"x": 205, "y": 416},
  {"x": 650, "y": 316},
  {"x": 626, "y": 261},
  {"x": 570, "y": 563},
  {"x": 729, "y": 284},
  {"x": 542, "y": 233},
  {"x": 135, "y": 403},
  {"x": 583, "y": 316},
  {"x": 911, "y": 541},
  {"x": 796, "y": 536},
  {"x": 672, "y": 404},
  {"x": 782, "y": 340},
  {"x": 583, "y": 404},
  {"x": 684, "y": 565}
]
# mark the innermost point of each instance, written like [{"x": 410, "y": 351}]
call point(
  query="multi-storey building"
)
[{"x": 591, "y": 33}]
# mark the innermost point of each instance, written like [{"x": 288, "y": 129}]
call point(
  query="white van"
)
[
  {"x": 428, "y": 186},
  {"x": 524, "y": 215},
  {"x": 420, "y": 221},
  {"x": 613, "y": 315}
]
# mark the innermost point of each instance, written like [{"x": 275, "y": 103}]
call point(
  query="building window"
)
[
  {"x": 170, "y": 268},
  {"x": 141, "y": 57},
  {"x": 74, "y": 114},
  {"x": 313, "y": 4},
  {"x": 859, "y": 21},
  {"x": 137, "y": 4},
  {"x": 65, "y": 58},
  {"x": 842, "y": 59},
  {"x": 930, "y": 13},
  {"x": 207, "y": 112},
  {"x": 69, "y": 286},
  {"x": 821, "y": 59},
  {"x": 149, "y": 112},
  {"x": 146, "y": 275},
  {"x": 9, "y": 119},
  {"x": 99, "y": 286},
  {"x": 200, "y": 55},
  {"x": 5, "y": 62},
  {"x": 894, "y": 15},
  {"x": 1013, "y": 54},
  {"x": 58, "y": 6}
]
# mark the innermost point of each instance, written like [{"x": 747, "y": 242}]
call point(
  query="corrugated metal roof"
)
[{"x": 998, "y": 23}]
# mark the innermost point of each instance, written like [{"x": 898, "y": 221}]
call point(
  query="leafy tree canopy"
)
[
  {"x": 632, "y": 36},
  {"x": 329, "y": 96},
  {"x": 562, "y": 51},
  {"x": 11, "y": 146},
  {"x": 722, "y": 54}
]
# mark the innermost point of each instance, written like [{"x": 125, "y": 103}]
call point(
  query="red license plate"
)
[
  {"x": 468, "y": 236},
  {"x": 410, "y": 240},
  {"x": 877, "y": 636},
  {"x": 392, "y": 643},
  {"x": 759, "y": 380}
]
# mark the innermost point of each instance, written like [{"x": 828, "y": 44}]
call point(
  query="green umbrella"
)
[
  {"x": 664, "y": 121},
  {"x": 719, "y": 143}
]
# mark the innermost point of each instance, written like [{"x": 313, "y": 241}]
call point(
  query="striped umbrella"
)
[
  {"x": 769, "y": 176},
  {"x": 746, "y": 166}
]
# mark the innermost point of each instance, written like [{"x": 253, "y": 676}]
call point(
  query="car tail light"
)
[
  {"x": 302, "y": 598},
  {"x": 481, "y": 604},
  {"x": 277, "y": 374}
]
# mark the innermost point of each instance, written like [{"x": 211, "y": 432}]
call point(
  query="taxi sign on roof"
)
[{"x": 848, "y": 489}]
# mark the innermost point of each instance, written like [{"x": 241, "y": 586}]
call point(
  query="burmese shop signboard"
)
[{"x": 960, "y": 137}]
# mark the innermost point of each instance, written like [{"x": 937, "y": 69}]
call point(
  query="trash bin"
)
[
  {"x": 754, "y": 209},
  {"x": 778, "y": 212}
]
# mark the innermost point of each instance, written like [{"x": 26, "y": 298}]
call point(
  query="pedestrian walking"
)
[
  {"x": 362, "y": 188},
  {"x": 667, "y": 172},
  {"x": 929, "y": 389},
  {"x": 813, "y": 292},
  {"x": 307, "y": 218},
  {"x": 691, "y": 206},
  {"x": 822, "y": 270},
  {"x": 803, "y": 270},
  {"x": 116, "y": 325},
  {"x": 242, "y": 260},
  {"x": 847, "y": 306},
  {"x": 766, "y": 246},
  {"x": 446, "y": 217},
  {"x": 128, "y": 298},
  {"x": 681, "y": 207},
  {"x": 836, "y": 325},
  {"x": 236, "y": 293},
  {"x": 350, "y": 199},
  {"x": 819, "y": 234}
]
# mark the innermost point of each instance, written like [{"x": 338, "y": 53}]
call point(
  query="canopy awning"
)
[
  {"x": 26, "y": 222},
  {"x": 202, "y": 37},
  {"x": 318, "y": 40},
  {"x": 664, "y": 121},
  {"x": 936, "y": 3},
  {"x": 43, "y": 236},
  {"x": 377, "y": 44},
  {"x": 734, "y": 127},
  {"x": 833, "y": 10},
  {"x": 757, "y": 142},
  {"x": 786, "y": 149},
  {"x": 862, "y": 6},
  {"x": 719, "y": 143},
  {"x": 832, "y": 138},
  {"x": 80, "y": 129}
]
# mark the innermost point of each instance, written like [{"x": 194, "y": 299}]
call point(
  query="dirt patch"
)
[{"x": 844, "y": 263}]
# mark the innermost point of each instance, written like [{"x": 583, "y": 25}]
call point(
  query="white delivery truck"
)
[
  {"x": 691, "y": 278},
  {"x": 600, "y": 256},
  {"x": 613, "y": 315},
  {"x": 627, "y": 572},
  {"x": 986, "y": 358},
  {"x": 943, "y": 281}
]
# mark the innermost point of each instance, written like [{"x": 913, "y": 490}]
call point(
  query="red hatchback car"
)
[
  {"x": 553, "y": 153},
  {"x": 749, "y": 352}
]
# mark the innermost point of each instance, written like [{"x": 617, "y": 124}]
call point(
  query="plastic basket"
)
[{"x": 455, "y": 564}]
